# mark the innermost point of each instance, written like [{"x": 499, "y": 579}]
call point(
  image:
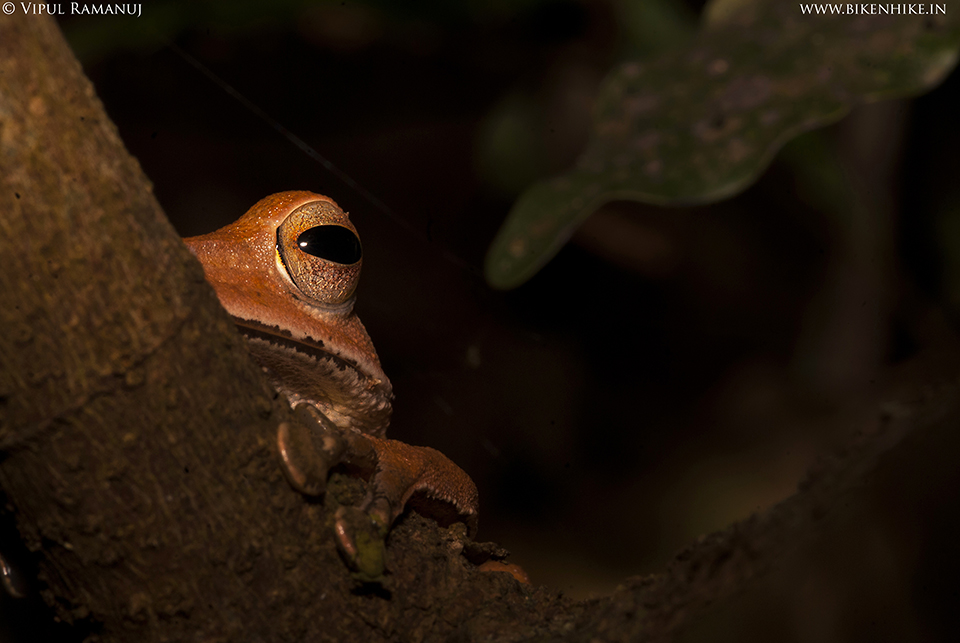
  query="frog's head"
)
[{"x": 287, "y": 271}]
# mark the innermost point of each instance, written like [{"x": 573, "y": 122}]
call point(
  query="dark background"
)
[{"x": 672, "y": 370}]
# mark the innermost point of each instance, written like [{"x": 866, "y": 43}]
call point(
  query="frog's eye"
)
[
  {"x": 331, "y": 242},
  {"x": 320, "y": 251}
]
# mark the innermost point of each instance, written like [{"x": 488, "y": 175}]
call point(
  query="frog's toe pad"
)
[
  {"x": 360, "y": 539},
  {"x": 307, "y": 451}
]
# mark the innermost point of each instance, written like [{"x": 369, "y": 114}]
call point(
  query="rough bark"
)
[
  {"x": 140, "y": 466},
  {"x": 137, "y": 432}
]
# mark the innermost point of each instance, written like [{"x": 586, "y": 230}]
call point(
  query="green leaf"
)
[{"x": 701, "y": 123}]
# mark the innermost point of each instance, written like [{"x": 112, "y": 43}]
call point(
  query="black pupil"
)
[{"x": 331, "y": 242}]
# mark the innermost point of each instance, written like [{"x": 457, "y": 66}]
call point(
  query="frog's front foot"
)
[{"x": 312, "y": 445}]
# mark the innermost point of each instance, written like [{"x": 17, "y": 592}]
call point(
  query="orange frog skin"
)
[{"x": 287, "y": 272}]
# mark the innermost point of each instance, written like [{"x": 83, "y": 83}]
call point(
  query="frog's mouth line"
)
[
  {"x": 348, "y": 396},
  {"x": 282, "y": 338}
]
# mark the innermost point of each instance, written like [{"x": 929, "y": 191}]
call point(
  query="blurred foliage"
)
[
  {"x": 92, "y": 37},
  {"x": 519, "y": 142},
  {"x": 653, "y": 26},
  {"x": 700, "y": 123},
  {"x": 510, "y": 149}
]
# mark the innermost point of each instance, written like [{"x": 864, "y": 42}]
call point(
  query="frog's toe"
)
[
  {"x": 308, "y": 448},
  {"x": 12, "y": 583},
  {"x": 518, "y": 572},
  {"x": 360, "y": 539}
]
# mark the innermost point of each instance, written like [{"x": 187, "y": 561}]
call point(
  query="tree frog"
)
[{"x": 287, "y": 273}]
